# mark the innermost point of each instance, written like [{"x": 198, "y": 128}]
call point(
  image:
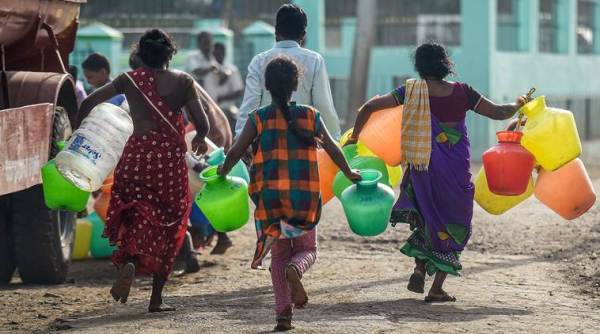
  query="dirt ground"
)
[{"x": 525, "y": 271}]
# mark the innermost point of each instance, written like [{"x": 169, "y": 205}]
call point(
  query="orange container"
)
[
  {"x": 327, "y": 171},
  {"x": 382, "y": 134},
  {"x": 568, "y": 190},
  {"x": 101, "y": 203}
]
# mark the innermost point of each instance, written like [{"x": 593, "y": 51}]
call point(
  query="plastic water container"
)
[
  {"x": 568, "y": 190},
  {"x": 382, "y": 134},
  {"x": 395, "y": 172},
  {"x": 508, "y": 165},
  {"x": 223, "y": 200},
  {"x": 96, "y": 147},
  {"x": 327, "y": 171},
  {"x": 83, "y": 240},
  {"x": 100, "y": 247},
  {"x": 368, "y": 204},
  {"x": 497, "y": 204},
  {"x": 550, "y": 134}
]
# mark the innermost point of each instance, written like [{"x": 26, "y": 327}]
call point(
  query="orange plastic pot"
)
[
  {"x": 382, "y": 134},
  {"x": 568, "y": 190},
  {"x": 327, "y": 171}
]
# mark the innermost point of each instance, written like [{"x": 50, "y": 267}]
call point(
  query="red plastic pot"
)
[{"x": 508, "y": 165}]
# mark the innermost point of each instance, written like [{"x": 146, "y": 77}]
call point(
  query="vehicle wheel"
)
[
  {"x": 43, "y": 238},
  {"x": 61, "y": 129},
  {"x": 7, "y": 254}
]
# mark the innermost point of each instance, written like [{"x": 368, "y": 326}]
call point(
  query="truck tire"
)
[
  {"x": 61, "y": 129},
  {"x": 7, "y": 254},
  {"x": 43, "y": 238}
]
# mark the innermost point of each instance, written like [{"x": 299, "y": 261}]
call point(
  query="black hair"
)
[
  {"x": 74, "y": 71},
  {"x": 281, "y": 80},
  {"x": 219, "y": 45},
  {"x": 432, "y": 61},
  {"x": 156, "y": 48},
  {"x": 96, "y": 62},
  {"x": 291, "y": 22},
  {"x": 203, "y": 34},
  {"x": 134, "y": 60}
]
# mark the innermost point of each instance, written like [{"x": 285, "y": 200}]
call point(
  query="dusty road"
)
[{"x": 525, "y": 271}]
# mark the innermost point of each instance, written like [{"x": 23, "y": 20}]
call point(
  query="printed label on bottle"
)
[{"x": 82, "y": 146}]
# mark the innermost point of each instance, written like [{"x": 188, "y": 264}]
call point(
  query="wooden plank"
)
[{"x": 24, "y": 145}]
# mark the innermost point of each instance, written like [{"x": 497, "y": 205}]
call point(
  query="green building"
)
[{"x": 500, "y": 47}]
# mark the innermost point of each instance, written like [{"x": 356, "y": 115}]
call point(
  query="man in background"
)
[
  {"x": 201, "y": 64},
  {"x": 96, "y": 69},
  {"x": 230, "y": 86},
  {"x": 313, "y": 88}
]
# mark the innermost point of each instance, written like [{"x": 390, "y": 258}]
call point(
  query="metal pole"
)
[{"x": 364, "y": 39}]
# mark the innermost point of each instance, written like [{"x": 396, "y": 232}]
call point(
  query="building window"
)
[
  {"x": 508, "y": 30},
  {"x": 402, "y": 22},
  {"x": 335, "y": 11},
  {"x": 409, "y": 22},
  {"x": 549, "y": 28},
  {"x": 586, "y": 25}
]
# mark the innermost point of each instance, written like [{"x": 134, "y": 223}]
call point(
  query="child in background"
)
[{"x": 285, "y": 184}]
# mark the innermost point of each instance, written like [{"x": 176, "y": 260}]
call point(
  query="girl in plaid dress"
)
[{"x": 285, "y": 184}]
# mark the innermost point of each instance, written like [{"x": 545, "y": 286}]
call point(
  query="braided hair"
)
[{"x": 281, "y": 80}]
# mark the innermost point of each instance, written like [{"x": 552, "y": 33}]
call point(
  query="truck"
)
[{"x": 38, "y": 108}]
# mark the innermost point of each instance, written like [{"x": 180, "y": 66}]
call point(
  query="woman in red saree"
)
[{"x": 148, "y": 211}]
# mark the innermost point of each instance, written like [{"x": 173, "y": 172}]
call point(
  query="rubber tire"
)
[
  {"x": 61, "y": 129},
  {"x": 7, "y": 254},
  {"x": 42, "y": 251}
]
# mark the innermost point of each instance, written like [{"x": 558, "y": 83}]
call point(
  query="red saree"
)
[{"x": 147, "y": 214}]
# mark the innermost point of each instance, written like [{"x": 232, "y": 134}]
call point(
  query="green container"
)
[
  {"x": 60, "y": 194},
  {"x": 217, "y": 157},
  {"x": 368, "y": 204},
  {"x": 223, "y": 200},
  {"x": 100, "y": 248},
  {"x": 341, "y": 182}
]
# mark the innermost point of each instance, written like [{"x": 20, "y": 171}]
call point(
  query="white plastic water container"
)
[{"x": 96, "y": 147}]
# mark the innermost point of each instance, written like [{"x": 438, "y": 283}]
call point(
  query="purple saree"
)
[{"x": 438, "y": 203}]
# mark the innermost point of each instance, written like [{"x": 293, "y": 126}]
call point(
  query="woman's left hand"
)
[
  {"x": 199, "y": 145},
  {"x": 222, "y": 172}
]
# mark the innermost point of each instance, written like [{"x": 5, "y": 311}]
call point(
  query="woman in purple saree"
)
[{"x": 436, "y": 197}]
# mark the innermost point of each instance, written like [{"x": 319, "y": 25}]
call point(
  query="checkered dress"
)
[{"x": 285, "y": 177}]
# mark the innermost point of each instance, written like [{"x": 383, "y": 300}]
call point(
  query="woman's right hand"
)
[{"x": 353, "y": 175}]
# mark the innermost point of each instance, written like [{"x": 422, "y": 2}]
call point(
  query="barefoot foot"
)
[
  {"x": 416, "y": 283},
  {"x": 284, "y": 320},
  {"x": 162, "y": 307},
  {"x": 122, "y": 285},
  {"x": 222, "y": 247},
  {"x": 299, "y": 296}
]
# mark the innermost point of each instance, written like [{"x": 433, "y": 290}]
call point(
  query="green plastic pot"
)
[
  {"x": 368, "y": 204},
  {"x": 341, "y": 182},
  {"x": 223, "y": 200},
  {"x": 60, "y": 194},
  {"x": 217, "y": 157},
  {"x": 100, "y": 247}
]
